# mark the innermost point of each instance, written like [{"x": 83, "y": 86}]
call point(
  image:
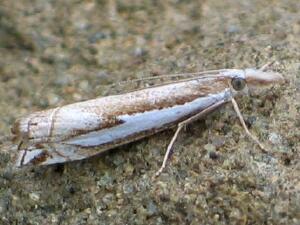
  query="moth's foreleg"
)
[{"x": 254, "y": 138}]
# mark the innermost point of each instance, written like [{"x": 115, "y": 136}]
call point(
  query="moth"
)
[{"x": 84, "y": 129}]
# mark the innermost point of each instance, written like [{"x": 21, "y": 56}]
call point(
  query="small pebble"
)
[
  {"x": 127, "y": 188},
  {"x": 139, "y": 52},
  {"x": 108, "y": 198},
  {"x": 218, "y": 141},
  {"x": 84, "y": 85},
  {"x": 213, "y": 155},
  {"x": 105, "y": 181},
  {"x": 210, "y": 147},
  {"x": 151, "y": 208},
  {"x": 34, "y": 196},
  {"x": 97, "y": 37},
  {"x": 233, "y": 29},
  {"x": 274, "y": 138},
  {"x": 53, "y": 99}
]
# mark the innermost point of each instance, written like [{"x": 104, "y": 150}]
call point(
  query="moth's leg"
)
[
  {"x": 182, "y": 125},
  {"x": 23, "y": 157},
  {"x": 266, "y": 66},
  {"x": 255, "y": 139}
]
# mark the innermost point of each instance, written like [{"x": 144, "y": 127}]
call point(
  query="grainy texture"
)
[{"x": 58, "y": 52}]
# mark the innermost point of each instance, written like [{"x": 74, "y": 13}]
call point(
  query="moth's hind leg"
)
[{"x": 168, "y": 152}]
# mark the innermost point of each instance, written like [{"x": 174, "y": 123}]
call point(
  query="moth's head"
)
[
  {"x": 253, "y": 78},
  {"x": 261, "y": 78}
]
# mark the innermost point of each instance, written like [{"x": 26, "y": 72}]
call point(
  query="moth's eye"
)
[{"x": 238, "y": 83}]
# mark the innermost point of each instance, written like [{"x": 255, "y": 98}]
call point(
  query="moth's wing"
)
[{"x": 53, "y": 153}]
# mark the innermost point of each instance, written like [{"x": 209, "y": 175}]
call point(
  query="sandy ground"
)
[{"x": 58, "y": 52}]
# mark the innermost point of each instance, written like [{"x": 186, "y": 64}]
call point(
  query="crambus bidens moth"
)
[{"x": 80, "y": 130}]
